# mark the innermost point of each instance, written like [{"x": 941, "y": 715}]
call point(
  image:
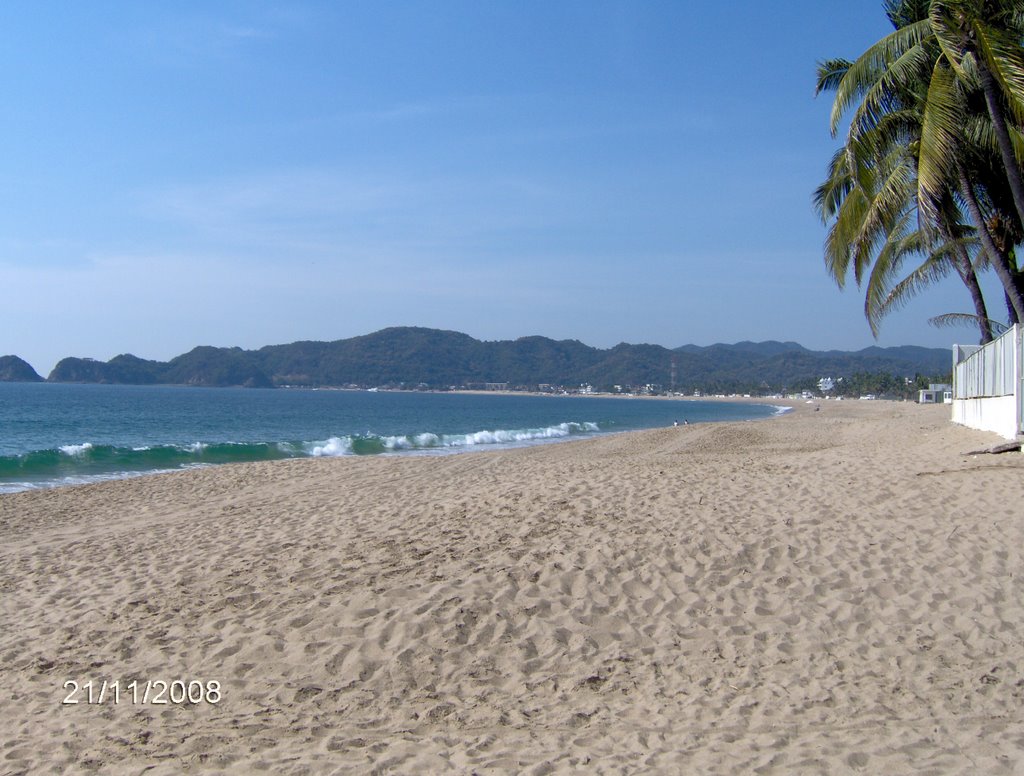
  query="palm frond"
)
[
  {"x": 887, "y": 301},
  {"x": 1004, "y": 58},
  {"x": 870, "y": 66},
  {"x": 940, "y": 126},
  {"x": 830, "y": 73},
  {"x": 948, "y": 320},
  {"x": 841, "y": 236},
  {"x": 828, "y": 197},
  {"x": 889, "y": 92},
  {"x": 966, "y": 31},
  {"x": 891, "y": 196},
  {"x": 903, "y": 12}
]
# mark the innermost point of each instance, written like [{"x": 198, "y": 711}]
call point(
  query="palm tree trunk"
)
[
  {"x": 995, "y": 112},
  {"x": 967, "y": 274},
  {"x": 961, "y": 259},
  {"x": 1000, "y": 262}
]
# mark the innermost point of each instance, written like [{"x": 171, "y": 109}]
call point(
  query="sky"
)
[{"x": 252, "y": 173}]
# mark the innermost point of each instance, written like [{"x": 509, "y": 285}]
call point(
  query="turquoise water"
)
[{"x": 55, "y": 434}]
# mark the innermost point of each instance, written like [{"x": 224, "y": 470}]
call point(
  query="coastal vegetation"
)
[
  {"x": 928, "y": 181},
  {"x": 419, "y": 358}
]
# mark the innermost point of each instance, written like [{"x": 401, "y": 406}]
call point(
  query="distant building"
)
[
  {"x": 826, "y": 384},
  {"x": 937, "y": 393}
]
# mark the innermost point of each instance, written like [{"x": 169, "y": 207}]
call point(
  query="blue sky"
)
[{"x": 247, "y": 173}]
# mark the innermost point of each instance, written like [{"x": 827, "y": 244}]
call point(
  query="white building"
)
[{"x": 937, "y": 393}]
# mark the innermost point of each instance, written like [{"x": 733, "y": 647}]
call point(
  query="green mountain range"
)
[{"x": 429, "y": 358}]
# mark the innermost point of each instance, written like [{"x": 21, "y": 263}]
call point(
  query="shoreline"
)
[
  {"x": 337, "y": 446},
  {"x": 831, "y": 591}
]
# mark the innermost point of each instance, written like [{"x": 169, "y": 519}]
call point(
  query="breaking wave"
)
[{"x": 88, "y": 462}]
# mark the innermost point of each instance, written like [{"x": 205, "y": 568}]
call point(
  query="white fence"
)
[{"x": 988, "y": 387}]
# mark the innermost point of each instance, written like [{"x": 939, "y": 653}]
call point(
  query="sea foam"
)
[
  {"x": 332, "y": 447},
  {"x": 76, "y": 450},
  {"x": 427, "y": 441}
]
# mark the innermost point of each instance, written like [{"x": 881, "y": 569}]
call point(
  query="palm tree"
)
[
  {"x": 870, "y": 199},
  {"x": 873, "y": 233},
  {"x": 981, "y": 40},
  {"x": 906, "y": 148}
]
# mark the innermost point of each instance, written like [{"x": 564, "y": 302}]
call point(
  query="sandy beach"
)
[{"x": 827, "y": 592}]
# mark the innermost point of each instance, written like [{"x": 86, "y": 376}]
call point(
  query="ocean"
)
[{"x": 61, "y": 434}]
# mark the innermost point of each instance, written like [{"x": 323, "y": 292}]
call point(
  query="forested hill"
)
[
  {"x": 418, "y": 358},
  {"x": 15, "y": 370}
]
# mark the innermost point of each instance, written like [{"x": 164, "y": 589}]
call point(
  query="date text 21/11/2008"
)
[{"x": 156, "y": 692}]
